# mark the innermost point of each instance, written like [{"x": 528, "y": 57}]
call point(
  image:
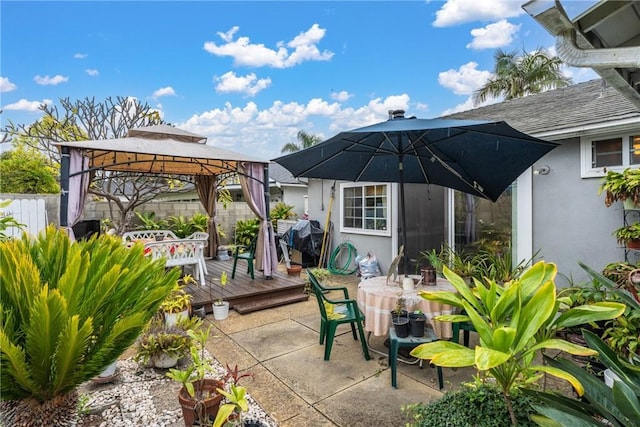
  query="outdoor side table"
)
[{"x": 396, "y": 342}]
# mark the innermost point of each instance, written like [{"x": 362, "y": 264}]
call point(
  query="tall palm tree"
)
[
  {"x": 516, "y": 76},
  {"x": 305, "y": 140}
]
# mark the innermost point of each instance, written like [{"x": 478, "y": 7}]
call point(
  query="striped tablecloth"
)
[{"x": 377, "y": 299}]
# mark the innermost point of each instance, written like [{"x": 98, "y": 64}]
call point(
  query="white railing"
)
[{"x": 143, "y": 235}]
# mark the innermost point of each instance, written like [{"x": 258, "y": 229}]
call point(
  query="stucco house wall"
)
[{"x": 569, "y": 221}]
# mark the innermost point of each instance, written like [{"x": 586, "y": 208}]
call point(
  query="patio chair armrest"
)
[
  {"x": 341, "y": 301},
  {"x": 344, "y": 290}
]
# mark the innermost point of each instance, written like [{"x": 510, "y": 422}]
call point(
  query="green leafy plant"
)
[
  {"x": 246, "y": 231},
  {"x": 321, "y": 274},
  {"x": 183, "y": 227},
  {"x": 499, "y": 265},
  {"x": 475, "y": 404},
  {"x": 158, "y": 339},
  {"x": 514, "y": 322},
  {"x": 223, "y": 283},
  {"x": 68, "y": 310},
  {"x": 179, "y": 300},
  {"x": 623, "y": 332},
  {"x": 621, "y": 186},
  {"x": 281, "y": 211},
  {"x": 237, "y": 404},
  {"x": 432, "y": 258},
  {"x": 628, "y": 232},
  {"x": 601, "y": 405},
  {"x": 149, "y": 222},
  {"x": 619, "y": 271},
  {"x": 193, "y": 375}
]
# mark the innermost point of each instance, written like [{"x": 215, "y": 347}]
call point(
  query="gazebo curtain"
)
[
  {"x": 253, "y": 190},
  {"x": 208, "y": 193},
  {"x": 79, "y": 179}
]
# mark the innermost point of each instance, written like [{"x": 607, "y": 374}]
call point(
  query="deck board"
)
[{"x": 241, "y": 289}]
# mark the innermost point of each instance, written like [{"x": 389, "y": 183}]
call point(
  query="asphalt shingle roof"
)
[{"x": 581, "y": 104}]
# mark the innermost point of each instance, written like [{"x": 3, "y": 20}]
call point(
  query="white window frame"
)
[
  {"x": 364, "y": 231},
  {"x": 587, "y": 171}
]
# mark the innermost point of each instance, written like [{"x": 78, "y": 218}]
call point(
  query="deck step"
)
[{"x": 269, "y": 302}]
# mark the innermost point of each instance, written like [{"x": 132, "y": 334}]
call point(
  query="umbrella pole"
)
[{"x": 403, "y": 219}]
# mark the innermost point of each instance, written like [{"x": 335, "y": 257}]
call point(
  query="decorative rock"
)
[{"x": 129, "y": 401}]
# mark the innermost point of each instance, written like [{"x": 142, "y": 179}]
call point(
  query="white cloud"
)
[
  {"x": 341, "y": 96},
  {"x": 46, "y": 80},
  {"x": 80, "y": 55},
  {"x": 92, "y": 72},
  {"x": 163, "y": 91},
  {"x": 494, "y": 35},
  {"x": 249, "y": 84},
  {"x": 579, "y": 75},
  {"x": 465, "y": 79},
  {"x": 455, "y": 12},
  {"x": 24, "y": 105},
  {"x": 244, "y": 53},
  {"x": 6, "y": 85},
  {"x": 262, "y": 133}
]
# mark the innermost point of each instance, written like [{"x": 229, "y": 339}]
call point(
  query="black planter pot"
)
[
  {"x": 401, "y": 326},
  {"x": 403, "y": 313},
  {"x": 416, "y": 324}
]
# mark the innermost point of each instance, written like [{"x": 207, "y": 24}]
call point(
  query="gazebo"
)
[{"x": 167, "y": 150}]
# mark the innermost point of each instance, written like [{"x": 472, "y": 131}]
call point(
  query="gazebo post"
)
[
  {"x": 267, "y": 200},
  {"x": 64, "y": 186}
]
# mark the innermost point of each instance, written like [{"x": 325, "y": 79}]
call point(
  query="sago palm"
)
[
  {"x": 68, "y": 310},
  {"x": 516, "y": 76}
]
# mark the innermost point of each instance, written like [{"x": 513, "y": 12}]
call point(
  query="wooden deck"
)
[{"x": 244, "y": 294}]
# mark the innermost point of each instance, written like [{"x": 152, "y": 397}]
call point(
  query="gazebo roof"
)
[{"x": 160, "y": 149}]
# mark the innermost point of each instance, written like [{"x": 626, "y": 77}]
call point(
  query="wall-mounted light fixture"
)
[{"x": 542, "y": 170}]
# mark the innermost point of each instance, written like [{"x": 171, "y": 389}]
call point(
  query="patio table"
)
[{"x": 377, "y": 299}]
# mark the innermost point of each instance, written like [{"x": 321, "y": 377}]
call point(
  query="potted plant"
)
[
  {"x": 163, "y": 345},
  {"x": 400, "y": 319},
  {"x": 623, "y": 186},
  {"x": 231, "y": 412},
  {"x": 198, "y": 396},
  {"x": 221, "y": 307},
  {"x": 629, "y": 235},
  {"x": 178, "y": 303}
]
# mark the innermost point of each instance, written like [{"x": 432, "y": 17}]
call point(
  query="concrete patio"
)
[{"x": 298, "y": 388}]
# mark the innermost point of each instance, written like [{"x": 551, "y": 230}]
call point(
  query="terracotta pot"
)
[
  {"x": 633, "y": 244},
  {"x": 209, "y": 405},
  {"x": 294, "y": 270}
]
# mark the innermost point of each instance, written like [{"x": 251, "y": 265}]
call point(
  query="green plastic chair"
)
[
  {"x": 334, "y": 312},
  {"x": 466, "y": 327},
  {"x": 248, "y": 254}
]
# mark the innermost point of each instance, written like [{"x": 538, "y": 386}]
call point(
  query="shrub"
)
[
  {"x": 68, "y": 310},
  {"x": 474, "y": 405}
]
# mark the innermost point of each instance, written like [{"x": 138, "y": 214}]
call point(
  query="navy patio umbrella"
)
[{"x": 477, "y": 157}]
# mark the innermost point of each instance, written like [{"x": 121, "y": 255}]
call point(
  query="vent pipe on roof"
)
[
  {"x": 615, "y": 57},
  {"x": 396, "y": 114}
]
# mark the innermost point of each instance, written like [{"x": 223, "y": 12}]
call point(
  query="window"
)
[
  {"x": 615, "y": 152},
  {"x": 365, "y": 209}
]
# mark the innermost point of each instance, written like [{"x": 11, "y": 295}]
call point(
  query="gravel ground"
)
[{"x": 144, "y": 396}]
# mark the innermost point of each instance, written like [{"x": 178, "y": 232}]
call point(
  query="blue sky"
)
[{"x": 250, "y": 75}]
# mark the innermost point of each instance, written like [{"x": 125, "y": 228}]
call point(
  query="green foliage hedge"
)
[{"x": 481, "y": 406}]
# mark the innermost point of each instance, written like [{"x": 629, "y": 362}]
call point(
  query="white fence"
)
[{"x": 31, "y": 213}]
